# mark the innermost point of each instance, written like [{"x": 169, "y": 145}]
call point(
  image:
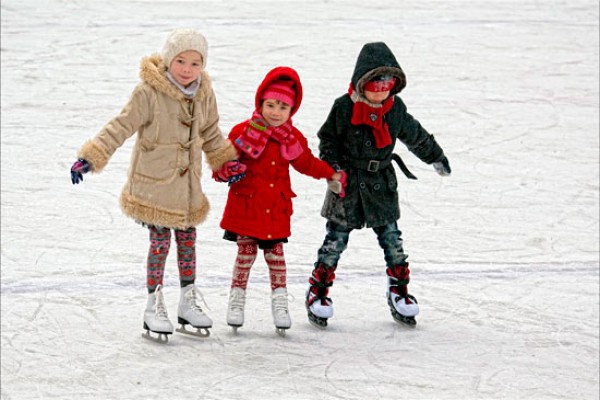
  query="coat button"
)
[
  {"x": 268, "y": 211},
  {"x": 269, "y": 236},
  {"x": 362, "y": 185},
  {"x": 377, "y": 186},
  {"x": 368, "y": 143},
  {"x": 273, "y": 163},
  {"x": 271, "y": 185}
]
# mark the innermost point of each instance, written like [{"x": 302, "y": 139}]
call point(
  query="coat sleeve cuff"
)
[
  {"x": 217, "y": 158},
  {"x": 94, "y": 154}
]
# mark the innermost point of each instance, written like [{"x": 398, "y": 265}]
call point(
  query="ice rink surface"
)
[{"x": 504, "y": 253}]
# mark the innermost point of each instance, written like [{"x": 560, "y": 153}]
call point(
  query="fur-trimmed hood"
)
[
  {"x": 153, "y": 71},
  {"x": 377, "y": 59}
]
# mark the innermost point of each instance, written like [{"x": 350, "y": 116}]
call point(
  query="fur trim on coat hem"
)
[{"x": 153, "y": 215}]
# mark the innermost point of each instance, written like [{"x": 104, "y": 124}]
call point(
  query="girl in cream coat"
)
[{"x": 174, "y": 112}]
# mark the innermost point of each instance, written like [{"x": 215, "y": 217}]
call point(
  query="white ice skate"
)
[
  {"x": 156, "y": 318},
  {"x": 235, "y": 309},
  {"x": 279, "y": 307},
  {"x": 189, "y": 312},
  {"x": 403, "y": 309}
]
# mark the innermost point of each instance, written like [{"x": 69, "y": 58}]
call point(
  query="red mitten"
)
[{"x": 231, "y": 171}]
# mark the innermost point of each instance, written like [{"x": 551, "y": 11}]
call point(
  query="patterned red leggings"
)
[
  {"x": 247, "y": 251},
  {"x": 160, "y": 243}
]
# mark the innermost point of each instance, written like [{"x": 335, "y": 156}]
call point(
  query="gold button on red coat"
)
[
  {"x": 269, "y": 236},
  {"x": 271, "y": 185},
  {"x": 267, "y": 211},
  {"x": 272, "y": 162}
]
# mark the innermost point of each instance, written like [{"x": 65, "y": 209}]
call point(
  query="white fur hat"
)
[{"x": 181, "y": 40}]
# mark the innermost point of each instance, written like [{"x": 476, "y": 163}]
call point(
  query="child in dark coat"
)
[{"x": 358, "y": 137}]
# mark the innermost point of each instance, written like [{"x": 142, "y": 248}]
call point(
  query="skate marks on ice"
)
[
  {"x": 512, "y": 336},
  {"x": 503, "y": 328},
  {"x": 484, "y": 334},
  {"x": 71, "y": 316}
]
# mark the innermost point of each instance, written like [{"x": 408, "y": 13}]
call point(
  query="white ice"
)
[{"x": 504, "y": 253}]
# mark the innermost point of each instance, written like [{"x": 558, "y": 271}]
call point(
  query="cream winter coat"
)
[{"x": 163, "y": 186}]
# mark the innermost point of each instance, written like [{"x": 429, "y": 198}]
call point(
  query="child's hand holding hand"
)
[
  {"x": 337, "y": 183},
  {"x": 231, "y": 171}
]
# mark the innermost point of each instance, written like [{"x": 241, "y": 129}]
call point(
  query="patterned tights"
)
[
  {"x": 247, "y": 251},
  {"x": 160, "y": 243}
]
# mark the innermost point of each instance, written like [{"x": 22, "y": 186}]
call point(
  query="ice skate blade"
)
[
  {"x": 199, "y": 332},
  {"x": 402, "y": 320},
  {"x": 235, "y": 328},
  {"x": 162, "y": 338},
  {"x": 319, "y": 322},
  {"x": 281, "y": 331}
]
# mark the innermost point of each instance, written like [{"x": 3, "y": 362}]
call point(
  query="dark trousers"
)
[{"x": 336, "y": 241}]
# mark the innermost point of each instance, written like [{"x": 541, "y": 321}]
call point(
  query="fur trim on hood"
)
[
  {"x": 153, "y": 71},
  {"x": 373, "y": 60}
]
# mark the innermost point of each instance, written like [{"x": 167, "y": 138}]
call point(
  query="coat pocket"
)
[
  {"x": 157, "y": 164},
  {"x": 241, "y": 205},
  {"x": 287, "y": 196}
]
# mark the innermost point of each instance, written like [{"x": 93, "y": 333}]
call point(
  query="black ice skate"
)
[
  {"x": 319, "y": 309},
  {"x": 403, "y": 319},
  {"x": 403, "y": 306},
  {"x": 318, "y": 306}
]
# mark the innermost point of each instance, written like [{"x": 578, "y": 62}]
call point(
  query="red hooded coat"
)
[{"x": 260, "y": 205}]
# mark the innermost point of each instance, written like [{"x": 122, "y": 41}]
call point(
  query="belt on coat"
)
[{"x": 378, "y": 165}]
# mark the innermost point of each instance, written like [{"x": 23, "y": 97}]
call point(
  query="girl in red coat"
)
[{"x": 259, "y": 207}]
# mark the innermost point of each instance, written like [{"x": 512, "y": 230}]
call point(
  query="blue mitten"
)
[{"x": 79, "y": 168}]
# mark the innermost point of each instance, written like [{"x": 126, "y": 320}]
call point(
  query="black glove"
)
[
  {"x": 442, "y": 167},
  {"x": 79, "y": 168}
]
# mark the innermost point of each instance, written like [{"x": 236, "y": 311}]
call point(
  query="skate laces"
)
[
  {"x": 160, "y": 308},
  {"x": 399, "y": 273},
  {"x": 324, "y": 275},
  {"x": 399, "y": 277},
  {"x": 315, "y": 297},
  {"x": 192, "y": 298},
  {"x": 237, "y": 300},
  {"x": 280, "y": 302}
]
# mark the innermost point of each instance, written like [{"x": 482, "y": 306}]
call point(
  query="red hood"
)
[{"x": 278, "y": 73}]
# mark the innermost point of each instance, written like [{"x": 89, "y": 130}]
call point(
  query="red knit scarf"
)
[
  {"x": 364, "y": 114},
  {"x": 254, "y": 139}
]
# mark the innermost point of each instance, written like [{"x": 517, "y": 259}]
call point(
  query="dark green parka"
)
[{"x": 371, "y": 195}]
